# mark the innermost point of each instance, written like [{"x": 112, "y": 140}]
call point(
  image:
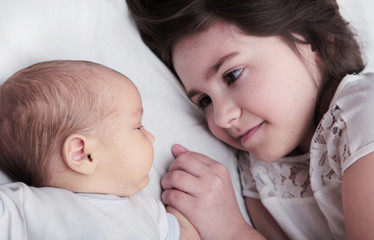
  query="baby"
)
[{"x": 71, "y": 132}]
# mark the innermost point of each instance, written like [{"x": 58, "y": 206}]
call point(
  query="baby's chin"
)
[{"x": 136, "y": 187}]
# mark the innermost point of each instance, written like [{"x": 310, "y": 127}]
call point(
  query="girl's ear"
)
[{"x": 77, "y": 156}]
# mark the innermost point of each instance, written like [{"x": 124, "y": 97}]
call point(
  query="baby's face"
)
[{"x": 126, "y": 148}]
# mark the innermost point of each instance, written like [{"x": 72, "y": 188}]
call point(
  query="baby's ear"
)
[{"x": 77, "y": 156}]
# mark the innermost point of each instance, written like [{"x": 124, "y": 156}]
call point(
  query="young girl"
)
[{"x": 281, "y": 81}]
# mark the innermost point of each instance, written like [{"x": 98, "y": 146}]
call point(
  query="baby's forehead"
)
[{"x": 111, "y": 78}]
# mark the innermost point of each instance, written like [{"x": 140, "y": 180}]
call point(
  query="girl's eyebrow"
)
[
  {"x": 219, "y": 63},
  {"x": 212, "y": 70},
  {"x": 192, "y": 93}
]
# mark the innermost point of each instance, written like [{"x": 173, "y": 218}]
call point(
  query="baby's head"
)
[{"x": 74, "y": 125}]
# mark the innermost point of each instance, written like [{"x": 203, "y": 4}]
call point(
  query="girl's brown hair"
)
[{"x": 162, "y": 24}]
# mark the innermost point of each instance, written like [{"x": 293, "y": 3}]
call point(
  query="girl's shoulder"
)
[
  {"x": 346, "y": 131},
  {"x": 353, "y": 89},
  {"x": 353, "y": 105}
]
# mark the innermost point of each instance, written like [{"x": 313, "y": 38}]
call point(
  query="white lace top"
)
[{"x": 303, "y": 193}]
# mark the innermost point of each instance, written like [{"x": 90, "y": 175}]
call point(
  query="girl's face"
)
[{"x": 257, "y": 93}]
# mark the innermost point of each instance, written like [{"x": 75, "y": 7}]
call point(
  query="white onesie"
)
[{"x": 52, "y": 213}]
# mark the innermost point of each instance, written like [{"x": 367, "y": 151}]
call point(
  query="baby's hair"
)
[
  {"x": 163, "y": 24},
  {"x": 40, "y": 106}
]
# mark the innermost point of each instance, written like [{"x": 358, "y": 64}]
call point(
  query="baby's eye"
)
[
  {"x": 140, "y": 127},
  {"x": 204, "y": 101},
  {"x": 232, "y": 76}
]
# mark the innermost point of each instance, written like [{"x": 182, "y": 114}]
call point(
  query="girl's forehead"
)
[{"x": 217, "y": 30}]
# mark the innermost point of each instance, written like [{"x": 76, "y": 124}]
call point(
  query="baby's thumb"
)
[{"x": 178, "y": 149}]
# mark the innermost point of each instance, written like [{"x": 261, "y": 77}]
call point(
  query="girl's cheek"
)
[
  {"x": 210, "y": 122},
  {"x": 214, "y": 129},
  {"x": 217, "y": 131}
]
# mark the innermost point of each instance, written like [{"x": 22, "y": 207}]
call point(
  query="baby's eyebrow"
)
[{"x": 138, "y": 112}]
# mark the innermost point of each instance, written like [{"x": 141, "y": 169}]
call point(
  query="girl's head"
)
[
  {"x": 40, "y": 106},
  {"x": 266, "y": 68},
  {"x": 163, "y": 24}
]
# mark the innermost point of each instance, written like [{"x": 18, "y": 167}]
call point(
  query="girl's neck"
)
[
  {"x": 327, "y": 92},
  {"x": 323, "y": 105},
  {"x": 304, "y": 146}
]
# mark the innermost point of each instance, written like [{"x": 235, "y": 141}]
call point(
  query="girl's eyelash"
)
[
  {"x": 229, "y": 78},
  {"x": 232, "y": 76},
  {"x": 204, "y": 101}
]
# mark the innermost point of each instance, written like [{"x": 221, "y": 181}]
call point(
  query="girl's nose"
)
[{"x": 225, "y": 113}]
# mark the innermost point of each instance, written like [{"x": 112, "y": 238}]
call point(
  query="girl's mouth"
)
[{"x": 249, "y": 134}]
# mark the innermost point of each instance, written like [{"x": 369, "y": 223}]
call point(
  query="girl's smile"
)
[
  {"x": 258, "y": 93},
  {"x": 248, "y": 135}
]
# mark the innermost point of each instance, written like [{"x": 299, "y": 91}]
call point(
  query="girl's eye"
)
[
  {"x": 232, "y": 76},
  {"x": 204, "y": 101}
]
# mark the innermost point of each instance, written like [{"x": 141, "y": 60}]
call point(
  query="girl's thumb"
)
[{"x": 178, "y": 149}]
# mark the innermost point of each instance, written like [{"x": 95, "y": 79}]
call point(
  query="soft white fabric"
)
[
  {"x": 359, "y": 13},
  {"x": 102, "y": 31},
  {"x": 344, "y": 135},
  {"x": 284, "y": 189},
  {"x": 31, "y": 213},
  {"x": 304, "y": 192}
]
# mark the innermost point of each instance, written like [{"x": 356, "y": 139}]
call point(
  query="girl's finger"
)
[
  {"x": 177, "y": 149},
  {"x": 195, "y": 163},
  {"x": 180, "y": 180},
  {"x": 180, "y": 200}
]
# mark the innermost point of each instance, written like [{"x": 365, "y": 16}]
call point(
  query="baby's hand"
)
[{"x": 187, "y": 230}]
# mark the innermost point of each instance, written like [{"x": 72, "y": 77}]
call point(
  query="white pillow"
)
[
  {"x": 359, "y": 13},
  {"x": 102, "y": 31}
]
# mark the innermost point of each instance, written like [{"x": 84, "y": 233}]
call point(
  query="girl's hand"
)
[{"x": 201, "y": 189}]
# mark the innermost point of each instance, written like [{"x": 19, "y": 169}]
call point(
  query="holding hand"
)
[{"x": 201, "y": 189}]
